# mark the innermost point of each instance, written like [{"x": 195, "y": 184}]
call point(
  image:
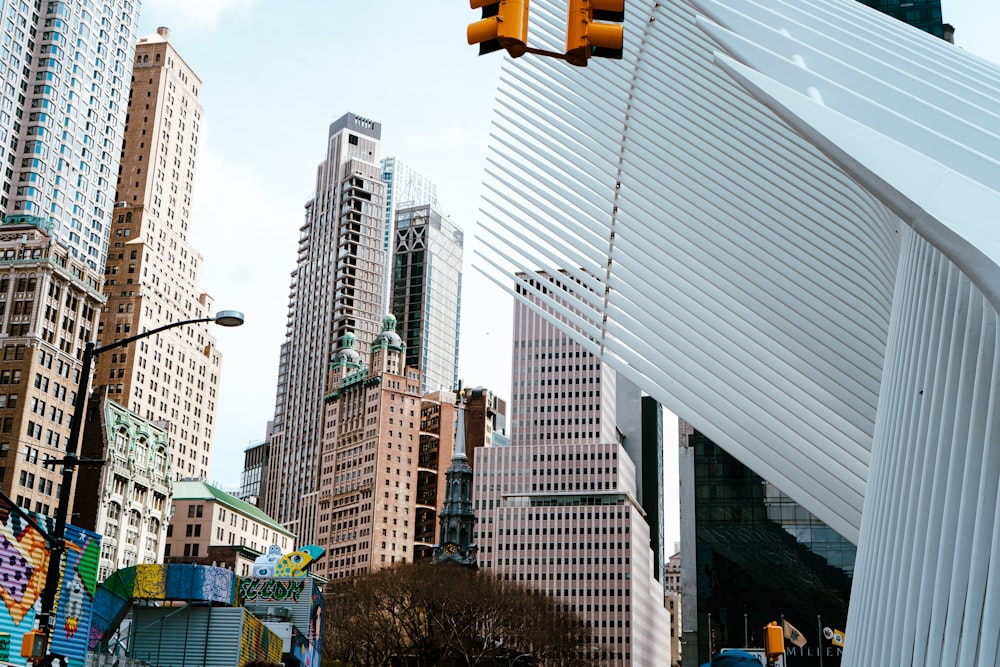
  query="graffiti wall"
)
[
  {"x": 23, "y": 563},
  {"x": 201, "y": 583}
]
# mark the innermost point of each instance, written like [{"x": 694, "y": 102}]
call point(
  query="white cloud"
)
[{"x": 191, "y": 14}]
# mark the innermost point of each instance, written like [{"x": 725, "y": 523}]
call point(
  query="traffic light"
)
[
  {"x": 33, "y": 645},
  {"x": 774, "y": 640},
  {"x": 591, "y": 30},
  {"x": 504, "y": 26}
]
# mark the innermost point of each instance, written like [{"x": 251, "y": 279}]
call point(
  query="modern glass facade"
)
[
  {"x": 427, "y": 292},
  {"x": 923, "y": 14},
  {"x": 761, "y": 557},
  {"x": 404, "y": 187},
  {"x": 65, "y": 68}
]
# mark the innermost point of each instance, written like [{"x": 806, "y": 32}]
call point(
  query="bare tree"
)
[{"x": 421, "y": 615}]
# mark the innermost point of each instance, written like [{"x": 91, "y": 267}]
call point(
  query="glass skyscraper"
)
[
  {"x": 923, "y": 14},
  {"x": 759, "y": 557},
  {"x": 427, "y": 292},
  {"x": 404, "y": 187}
]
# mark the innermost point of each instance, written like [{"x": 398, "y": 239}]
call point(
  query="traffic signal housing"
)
[
  {"x": 594, "y": 30},
  {"x": 774, "y": 640},
  {"x": 33, "y": 645},
  {"x": 504, "y": 26}
]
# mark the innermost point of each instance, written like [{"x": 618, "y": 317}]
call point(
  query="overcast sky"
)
[{"x": 275, "y": 74}]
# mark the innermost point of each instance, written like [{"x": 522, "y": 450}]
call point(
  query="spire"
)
[
  {"x": 460, "y": 435},
  {"x": 457, "y": 516}
]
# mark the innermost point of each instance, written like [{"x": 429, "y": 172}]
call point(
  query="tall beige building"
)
[
  {"x": 559, "y": 509},
  {"x": 337, "y": 289},
  {"x": 151, "y": 277}
]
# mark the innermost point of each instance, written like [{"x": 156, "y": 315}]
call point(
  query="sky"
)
[{"x": 275, "y": 74}]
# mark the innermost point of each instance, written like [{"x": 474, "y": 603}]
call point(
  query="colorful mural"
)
[
  {"x": 295, "y": 564},
  {"x": 24, "y": 561},
  {"x": 257, "y": 642},
  {"x": 284, "y": 580},
  {"x": 295, "y": 591},
  {"x": 202, "y": 583}
]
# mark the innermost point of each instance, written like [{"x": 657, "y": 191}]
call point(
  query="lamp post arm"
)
[
  {"x": 57, "y": 542},
  {"x": 131, "y": 339}
]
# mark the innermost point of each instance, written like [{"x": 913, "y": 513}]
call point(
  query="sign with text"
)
[{"x": 256, "y": 589}]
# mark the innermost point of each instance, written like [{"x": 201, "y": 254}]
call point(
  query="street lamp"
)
[{"x": 57, "y": 543}]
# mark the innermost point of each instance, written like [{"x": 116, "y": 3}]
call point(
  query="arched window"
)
[
  {"x": 141, "y": 452},
  {"x": 121, "y": 442}
]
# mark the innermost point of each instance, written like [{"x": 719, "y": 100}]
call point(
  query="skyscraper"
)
[
  {"x": 427, "y": 292},
  {"x": 48, "y": 303},
  {"x": 568, "y": 477},
  {"x": 63, "y": 66},
  {"x": 151, "y": 277},
  {"x": 563, "y": 519},
  {"x": 559, "y": 391},
  {"x": 751, "y": 555},
  {"x": 923, "y": 14},
  {"x": 404, "y": 186},
  {"x": 337, "y": 289}
]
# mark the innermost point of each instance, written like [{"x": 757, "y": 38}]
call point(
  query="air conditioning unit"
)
[{"x": 284, "y": 613}]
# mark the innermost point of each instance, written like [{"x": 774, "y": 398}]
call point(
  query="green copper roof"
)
[{"x": 197, "y": 490}]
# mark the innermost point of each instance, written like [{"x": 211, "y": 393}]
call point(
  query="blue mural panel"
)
[
  {"x": 197, "y": 583},
  {"x": 24, "y": 559}
]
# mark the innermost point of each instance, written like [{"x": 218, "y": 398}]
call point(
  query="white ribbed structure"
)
[{"x": 784, "y": 221}]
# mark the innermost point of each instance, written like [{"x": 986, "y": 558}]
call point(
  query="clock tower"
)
[{"x": 457, "y": 516}]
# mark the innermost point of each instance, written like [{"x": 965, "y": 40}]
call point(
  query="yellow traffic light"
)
[
  {"x": 504, "y": 26},
  {"x": 591, "y": 30},
  {"x": 774, "y": 640}
]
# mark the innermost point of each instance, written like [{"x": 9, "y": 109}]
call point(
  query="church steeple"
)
[{"x": 457, "y": 516}]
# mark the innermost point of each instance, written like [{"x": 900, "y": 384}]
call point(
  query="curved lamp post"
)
[{"x": 57, "y": 542}]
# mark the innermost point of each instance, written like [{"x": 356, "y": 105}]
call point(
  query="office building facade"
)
[
  {"x": 65, "y": 67},
  {"x": 563, "y": 519},
  {"x": 427, "y": 292},
  {"x": 438, "y": 421},
  {"x": 923, "y": 14},
  {"x": 337, "y": 288},
  {"x": 562, "y": 392},
  {"x": 254, "y": 474},
  {"x": 151, "y": 276},
  {"x": 404, "y": 187},
  {"x": 126, "y": 500},
  {"x": 369, "y": 463},
  {"x": 63, "y": 81},
  {"x": 48, "y": 307},
  {"x": 757, "y": 556},
  {"x": 567, "y": 468}
]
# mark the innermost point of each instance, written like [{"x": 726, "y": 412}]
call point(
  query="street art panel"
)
[{"x": 24, "y": 559}]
